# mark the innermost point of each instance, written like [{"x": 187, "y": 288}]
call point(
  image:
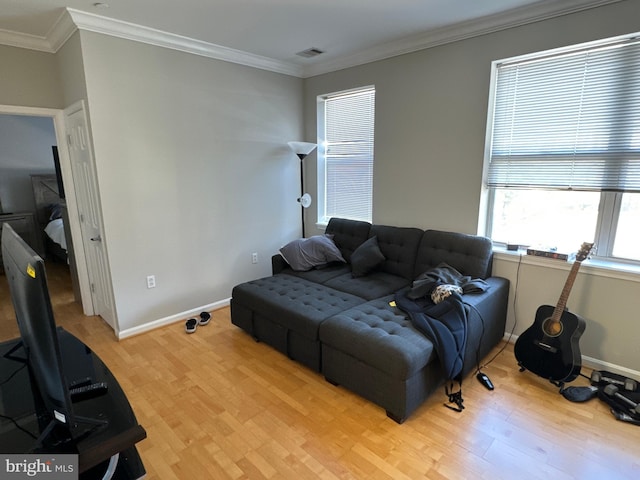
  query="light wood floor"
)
[{"x": 217, "y": 405}]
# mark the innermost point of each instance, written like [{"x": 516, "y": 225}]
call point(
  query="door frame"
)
[
  {"x": 58, "y": 117},
  {"x": 98, "y": 271}
]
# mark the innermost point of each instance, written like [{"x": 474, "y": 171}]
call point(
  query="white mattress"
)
[{"x": 55, "y": 231}]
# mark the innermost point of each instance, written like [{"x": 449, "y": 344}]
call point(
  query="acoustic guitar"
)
[{"x": 549, "y": 348}]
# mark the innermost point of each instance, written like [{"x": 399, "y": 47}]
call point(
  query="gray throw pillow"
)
[
  {"x": 314, "y": 252},
  {"x": 366, "y": 257}
]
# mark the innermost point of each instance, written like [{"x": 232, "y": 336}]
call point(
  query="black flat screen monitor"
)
[{"x": 30, "y": 296}]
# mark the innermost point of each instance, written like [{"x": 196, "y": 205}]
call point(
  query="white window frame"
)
[
  {"x": 610, "y": 201},
  {"x": 323, "y": 215}
]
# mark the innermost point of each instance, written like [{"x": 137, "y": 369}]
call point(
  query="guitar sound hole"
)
[{"x": 552, "y": 328}]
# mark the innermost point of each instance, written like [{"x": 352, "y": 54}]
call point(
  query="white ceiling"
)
[{"x": 350, "y": 32}]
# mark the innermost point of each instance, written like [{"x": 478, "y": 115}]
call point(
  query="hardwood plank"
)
[{"x": 218, "y": 405}]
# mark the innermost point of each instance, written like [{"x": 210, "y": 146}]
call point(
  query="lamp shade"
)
[{"x": 302, "y": 149}]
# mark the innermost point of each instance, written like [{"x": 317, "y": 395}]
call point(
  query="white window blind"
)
[
  {"x": 569, "y": 121},
  {"x": 348, "y": 150}
]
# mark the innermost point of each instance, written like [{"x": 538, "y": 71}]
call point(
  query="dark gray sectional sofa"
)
[{"x": 346, "y": 328}]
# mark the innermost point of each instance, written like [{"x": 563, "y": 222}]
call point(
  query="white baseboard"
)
[
  {"x": 593, "y": 363},
  {"x": 597, "y": 364},
  {"x": 130, "y": 332}
]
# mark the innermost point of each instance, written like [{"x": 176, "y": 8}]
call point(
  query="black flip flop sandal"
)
[
  {"x": 191, "y": 325},
  {"x": 205, "y": 317}
]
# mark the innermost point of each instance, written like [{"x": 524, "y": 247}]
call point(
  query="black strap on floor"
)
[{"x": 454, "y": 397}]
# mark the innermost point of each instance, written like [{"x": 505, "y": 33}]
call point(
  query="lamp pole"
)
[
  {"x": 302, "y": 149},
  {"x": 301, "y": 156}
]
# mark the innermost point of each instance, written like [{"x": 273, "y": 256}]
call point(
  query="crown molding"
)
[
  {"x": 151, "y": 36},
  {"x": 71, "y": 20},
  {"x": 61, "y": 31},
  {"x": 461, "y": 31},
  {"x": 24, "y": 40},
  {"x": 55, "y": 38}
]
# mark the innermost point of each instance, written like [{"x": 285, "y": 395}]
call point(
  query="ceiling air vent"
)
[{"x": 310, "y": 52}]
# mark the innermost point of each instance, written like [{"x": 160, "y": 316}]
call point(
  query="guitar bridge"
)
[{"x": 545, "y": 346}]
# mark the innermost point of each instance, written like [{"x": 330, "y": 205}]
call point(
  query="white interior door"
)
[{"x": 89, "y": 212}]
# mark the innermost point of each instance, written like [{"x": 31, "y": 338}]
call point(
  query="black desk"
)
[{"x": 20, "y": 401}]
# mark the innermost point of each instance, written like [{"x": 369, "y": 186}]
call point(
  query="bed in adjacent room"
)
[{"x": 50, "y": 216}]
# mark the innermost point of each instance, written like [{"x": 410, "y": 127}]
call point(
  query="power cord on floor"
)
[{"x": 515, "y": 323}]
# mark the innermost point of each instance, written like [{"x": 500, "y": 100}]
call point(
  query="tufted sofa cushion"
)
[
  {"x": 399, "y": 245},
  {"x": 378, "y": 335},
  {"x": 468, "y": 254},
  {"x": 300, "y": 305},
  {"x": 373, "y": 285},
  {"x": 348, "y": 234}
]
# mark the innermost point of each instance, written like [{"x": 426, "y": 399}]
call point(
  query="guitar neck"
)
[{"x": 564, "y": 296}]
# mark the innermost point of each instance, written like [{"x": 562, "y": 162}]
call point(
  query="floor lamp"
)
[{"x": 302, "y": 149}]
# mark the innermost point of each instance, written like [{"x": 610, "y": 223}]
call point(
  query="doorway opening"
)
[{"x": 45, "y": 117}]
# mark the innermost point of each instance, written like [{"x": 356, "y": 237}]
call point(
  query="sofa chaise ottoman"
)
[{"x": 347, "y": 327}]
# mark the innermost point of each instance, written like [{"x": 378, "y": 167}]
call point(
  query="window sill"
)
[{"x": 602, "y": 268}]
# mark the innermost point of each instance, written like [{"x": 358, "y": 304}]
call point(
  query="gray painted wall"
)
[
  {"x": 71, "y": 70},
  {"x": 29, "y": 78},
  {"x": 431, "y": 112},
  {"x": 194, "y": 172}
]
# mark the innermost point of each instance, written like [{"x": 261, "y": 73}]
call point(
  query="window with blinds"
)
[
  {"x": 346, "y": 134},
  {"x": 569, "y": 120},
  {"x": 563, "y": 162}
]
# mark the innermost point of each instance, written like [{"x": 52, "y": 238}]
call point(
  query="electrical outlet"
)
[
  {"x": 151, "y": 281},
  {"x": 254, "y": 257}
]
